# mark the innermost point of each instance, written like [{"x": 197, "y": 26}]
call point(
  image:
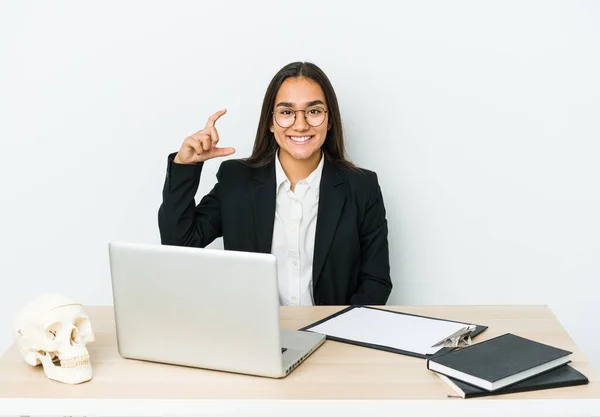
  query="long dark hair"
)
[{"x": 265, "y": 145}]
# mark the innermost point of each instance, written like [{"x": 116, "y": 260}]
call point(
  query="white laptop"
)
[{"x": 204, "y": 308}]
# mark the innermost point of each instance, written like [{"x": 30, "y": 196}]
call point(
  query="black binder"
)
[
  {"x": 564, "y": 376},
  {"x": 479, "y": 329},
  {"x": 498, "y": 362}
]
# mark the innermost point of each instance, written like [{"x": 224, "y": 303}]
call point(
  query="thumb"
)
[{"x": 222, "y": 151}]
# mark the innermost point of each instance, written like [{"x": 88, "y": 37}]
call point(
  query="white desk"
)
[{"x": 338, "y": 379}]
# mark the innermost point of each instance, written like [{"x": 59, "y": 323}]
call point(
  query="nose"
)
[{"x": 300, "y": 122}]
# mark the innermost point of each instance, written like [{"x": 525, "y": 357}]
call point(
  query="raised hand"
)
[{"x": 202, "y": 145}]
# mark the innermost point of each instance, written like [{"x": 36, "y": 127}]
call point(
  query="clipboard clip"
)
[{"x": 461, "y": 337}]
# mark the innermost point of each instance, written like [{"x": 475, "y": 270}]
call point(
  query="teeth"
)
[
  {"x": 300, "y": 138},
  {"x": 75, "y": 361}
]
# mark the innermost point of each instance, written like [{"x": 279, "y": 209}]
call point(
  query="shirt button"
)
[
  {"x": 295, "y": 263},
  {"x": 293, "y": 297}
]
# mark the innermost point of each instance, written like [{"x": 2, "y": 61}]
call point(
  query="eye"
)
[
  {"x": 52, "y": 331},
  {"x": 285, "y": 112},
  {"x": 83, "y": 326},
  {"x": 315, "y": 111}
]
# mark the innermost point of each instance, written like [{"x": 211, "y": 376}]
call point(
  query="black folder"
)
[
  {"x": 498, "y": 362},
  {"x": 479, "y": 329},
  {"x": 564, "y": 376}
]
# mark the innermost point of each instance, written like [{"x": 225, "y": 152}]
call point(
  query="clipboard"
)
[{"x": 478, "y": 330}]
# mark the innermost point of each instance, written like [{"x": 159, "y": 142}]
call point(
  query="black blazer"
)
[{"x": 351, "y": 257}]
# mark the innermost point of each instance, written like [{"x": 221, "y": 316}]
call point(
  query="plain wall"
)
[{"x": 480, "y": 118}]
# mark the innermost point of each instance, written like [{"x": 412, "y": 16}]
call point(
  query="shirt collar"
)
[{"x": 313, "y": 180}]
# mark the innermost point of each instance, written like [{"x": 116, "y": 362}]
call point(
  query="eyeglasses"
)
[{"x": 314, "y": 116}]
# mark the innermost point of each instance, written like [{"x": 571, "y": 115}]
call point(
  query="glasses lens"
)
[
  {"x": 285, "y": 117},
  {"x": 315, "y": 116}
]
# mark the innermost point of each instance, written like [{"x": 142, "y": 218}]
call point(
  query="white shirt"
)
[{"x": 294, "y": 235}]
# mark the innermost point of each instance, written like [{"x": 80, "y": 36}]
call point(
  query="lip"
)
[{"x": 310, "y": 137}]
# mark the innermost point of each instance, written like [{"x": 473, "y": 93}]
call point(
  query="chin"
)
[{"x": 303, "y": 156}]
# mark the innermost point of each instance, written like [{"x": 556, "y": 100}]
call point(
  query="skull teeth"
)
[{"x": 75, "y": 361}]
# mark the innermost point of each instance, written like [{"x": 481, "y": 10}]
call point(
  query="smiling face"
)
[{"x": 300, "y": 141}]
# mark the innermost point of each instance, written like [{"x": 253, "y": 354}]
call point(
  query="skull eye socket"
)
[
  {"x": 84, "y": 328},
  {"x": 52, "y": 331}
]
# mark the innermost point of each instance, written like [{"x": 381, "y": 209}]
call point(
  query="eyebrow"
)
[{"x": 310, "y": 103}]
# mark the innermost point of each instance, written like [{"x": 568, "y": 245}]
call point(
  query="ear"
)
[{"x": 271, "y": 128}]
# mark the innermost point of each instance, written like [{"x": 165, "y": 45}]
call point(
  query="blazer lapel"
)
[
  {"x": 331, "y": 202},
  {"x": 263, "y": 203}
]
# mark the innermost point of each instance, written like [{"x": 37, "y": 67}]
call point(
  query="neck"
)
[{"x": 297, "y": 170}]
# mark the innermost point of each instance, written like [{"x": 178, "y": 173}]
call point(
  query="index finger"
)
[{"x": 212, "y": 119}]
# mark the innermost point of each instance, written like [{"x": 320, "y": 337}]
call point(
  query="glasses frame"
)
[{"x": 305, "y": 119}]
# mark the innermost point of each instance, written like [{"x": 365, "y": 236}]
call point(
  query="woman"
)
[{"x": 296, "y": 197}]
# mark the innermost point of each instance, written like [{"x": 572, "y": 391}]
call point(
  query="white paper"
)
[{"x": 386, "y": 328}]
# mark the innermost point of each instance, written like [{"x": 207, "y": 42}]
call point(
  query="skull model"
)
[{"x": 54, "y": 330}]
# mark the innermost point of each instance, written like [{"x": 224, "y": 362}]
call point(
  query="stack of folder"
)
[{"x": 505, "y": 364}]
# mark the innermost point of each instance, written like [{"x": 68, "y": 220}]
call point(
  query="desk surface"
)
[{"x": 362, "y": 381}]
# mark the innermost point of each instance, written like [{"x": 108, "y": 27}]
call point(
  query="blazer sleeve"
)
[
  {"x": 180, "y": 221},
  {"x": 375, "y": 284}
]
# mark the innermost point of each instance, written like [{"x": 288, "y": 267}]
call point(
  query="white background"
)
[{"x": 480, "y": 118}]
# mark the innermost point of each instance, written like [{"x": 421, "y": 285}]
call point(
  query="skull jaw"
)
[{"x": 73, "y": 375}]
